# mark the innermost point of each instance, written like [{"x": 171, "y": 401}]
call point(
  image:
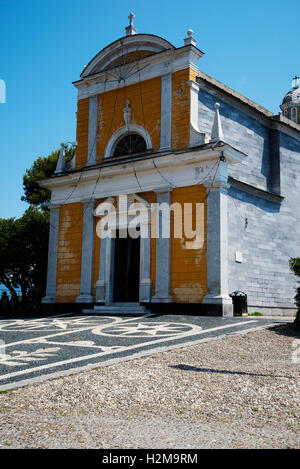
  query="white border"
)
[
  {"x": 122, "y": 132},
  {"x": 141, "y": 354}
]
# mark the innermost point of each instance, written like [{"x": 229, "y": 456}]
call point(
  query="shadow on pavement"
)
[
  {"x": 225, "y": 372},
  {"x": 286, "y": 329}
]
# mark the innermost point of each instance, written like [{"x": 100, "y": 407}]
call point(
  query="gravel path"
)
[{"x": 238, "y": 392}]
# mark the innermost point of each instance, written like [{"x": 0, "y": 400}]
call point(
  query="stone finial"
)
[
  {"x": 190, "y": 40},
  {"x": 217, "y": 132},
  {"x": 60, "y": 167},
  {"x": 130, "y": 30}
]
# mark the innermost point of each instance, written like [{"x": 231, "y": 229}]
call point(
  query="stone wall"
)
[
  {"x": 82, "y": 132},
  {"x": 69, "y": 253},
  {"x": 181, "y": 108},
  {"x": 145, "y": 103},
  {"x": 188, "y": 262},
  {"x": 272, "y": 232},
  {"x": 244, "y": 133}
]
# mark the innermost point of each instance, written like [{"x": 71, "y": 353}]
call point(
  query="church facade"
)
[{"x": 154, "y": 131}]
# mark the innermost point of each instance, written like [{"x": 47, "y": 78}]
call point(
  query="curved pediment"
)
[{"x": 125, "y": 50}]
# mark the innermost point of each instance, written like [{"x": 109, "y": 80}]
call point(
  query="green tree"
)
[
  {"x": 295, "y": 267},
  {"x": 42, "y": 168},
  {"x": 7, "y": 240},
  {"x": 24, "y": 241},
  {"x": 23, "y": 255}
]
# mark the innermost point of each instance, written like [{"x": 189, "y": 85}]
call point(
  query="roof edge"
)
[
  {"x": 124, "y": 39},
  {"x": 256, "y": 107}
]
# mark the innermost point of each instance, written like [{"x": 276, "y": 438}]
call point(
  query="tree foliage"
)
[
  {"x": 24, "y": 241},
  {"x": 23, "y": 255},
  {"x": 42, "y": 168},
  {"x": 295, "y": 267}
]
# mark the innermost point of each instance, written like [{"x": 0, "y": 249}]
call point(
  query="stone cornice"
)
[
  {"x": 255, "y": 190},
  {"x": 180, "y": 169},
  {"x": 156, "y": 65},
  {"x": 200, "y": 153},
  {"x": 139, "y": 41}
]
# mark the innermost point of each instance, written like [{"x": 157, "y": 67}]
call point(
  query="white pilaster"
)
[
  {"x": 145, "y": 265},
  {"x": 52, "y": 255},
  {"x": 92, "y": 133},
  {"x": 163, "y": 253},
  {"x": 105, "y": 282},
  {"x": 217, "y": 240},
  {"x": 100, "y": 284},
  {"x": 87, "y": 256},
  {"x": 166, "y": 112}
]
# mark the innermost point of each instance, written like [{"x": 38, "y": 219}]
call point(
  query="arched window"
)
[
  {"x": 294, "y": 114},
  {"x": 129, "y": 145}
]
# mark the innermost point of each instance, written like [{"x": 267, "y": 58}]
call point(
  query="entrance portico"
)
[
  {"x": 209, "y": 161},
  {"x": 127, "y": 259}
]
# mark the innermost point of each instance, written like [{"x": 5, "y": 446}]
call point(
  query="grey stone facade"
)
[{"x": 263, "y": 230}]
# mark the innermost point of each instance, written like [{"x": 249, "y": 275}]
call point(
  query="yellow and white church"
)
[{"x": 153, "y": 127}]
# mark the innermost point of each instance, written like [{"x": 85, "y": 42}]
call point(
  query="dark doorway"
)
[{"x": 127, "y": 269}]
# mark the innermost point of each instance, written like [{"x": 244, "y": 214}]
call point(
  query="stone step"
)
[
  {"x": 117, "y": 308},
  {"x": 120, "y": 305}
]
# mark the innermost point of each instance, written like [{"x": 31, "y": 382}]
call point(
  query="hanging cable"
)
[
  {"x": 205, "y": 178},
  {"x": 212, "y": 183},
  {"x": 141, "y": 97},
  {"x": 113, "y": 113},
  {"x": 162, "y": 176},
  {"x": 83, "y": 170},
  {"x": 245, "y": 219},
  {"x": 137, "y": 179}
]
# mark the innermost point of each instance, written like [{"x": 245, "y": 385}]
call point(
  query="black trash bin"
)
[{"x": 239, "y": 300}]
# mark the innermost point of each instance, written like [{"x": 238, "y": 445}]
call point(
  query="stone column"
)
[
  {"x": 145, "y": 265},
  {"x": 163, "y": 251},
  {"x": 87, "y": 256},
  {"x": 109, "y": 266},
  {"x": 52, "y": 255},
  {"x": 92, "y": 133},
  {"x": 104, "y": 284},
  {"x": 217, "y": 240},
  {"x": 100, "y": 284},
  {"x": 166, "y": 112}
]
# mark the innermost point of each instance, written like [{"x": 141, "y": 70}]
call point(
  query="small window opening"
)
[{"x": 129, "y": 145}]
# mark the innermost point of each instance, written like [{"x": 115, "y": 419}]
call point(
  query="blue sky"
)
[{"x": 253, "y": 47}]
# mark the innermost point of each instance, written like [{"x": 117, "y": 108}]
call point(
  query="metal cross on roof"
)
[
  {"x": 130, "y": 17},
  {"x": 295, "y": 81},
  {"x": 130, "y": 30}
]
